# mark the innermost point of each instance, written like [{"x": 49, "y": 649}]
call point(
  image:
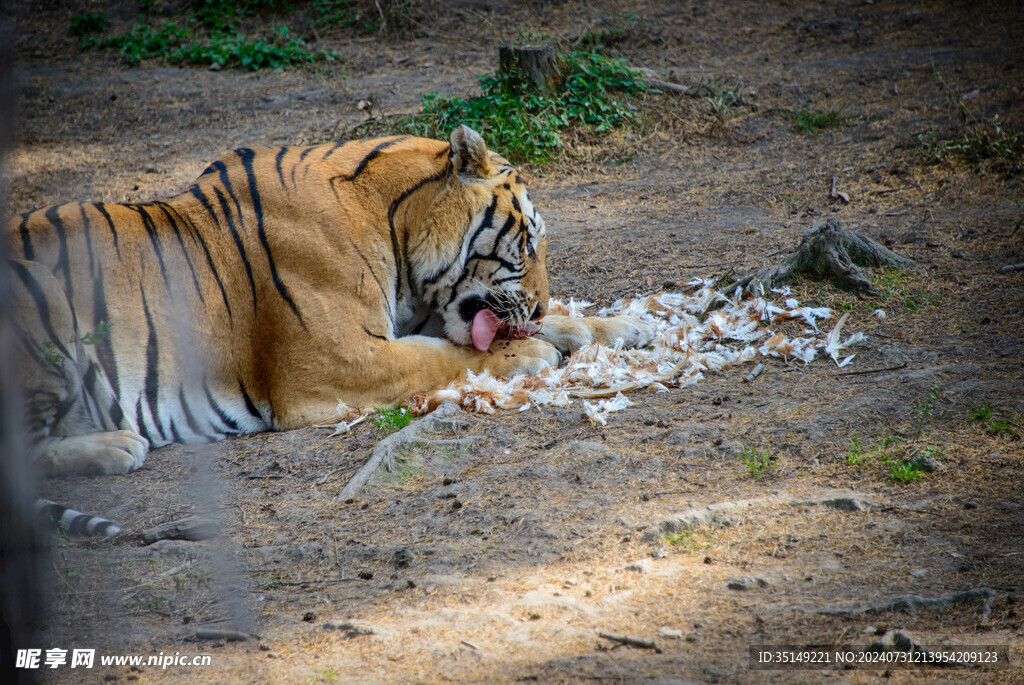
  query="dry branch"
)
[
  {"x": 828, "y": 252},
  {"x": 631, "y": 641},
  {"x": 413, "y": 434},
  {"x": 191, "y": 528},
  {"x": 911, "y": 603}
]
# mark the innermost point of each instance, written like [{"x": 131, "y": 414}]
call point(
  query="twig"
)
[
  {"x": 862, "y": 371},
  {"x": 631, "y": 641},
  {"x": 664, "y": 85},
  {"x": 275, "y": 583},
  {"x": 704, "y": 266},
  {"x": 754, "y": 373},
  {"x": 913, "y": 511},
  {"x": 414, "y": 433},
  {"x": 1008, "y": 268}
]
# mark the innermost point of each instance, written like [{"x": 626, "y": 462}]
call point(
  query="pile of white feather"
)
[{"x": 693, "y": 336}]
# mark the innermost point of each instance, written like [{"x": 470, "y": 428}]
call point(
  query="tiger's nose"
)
[{"x": 538, "y": 313}]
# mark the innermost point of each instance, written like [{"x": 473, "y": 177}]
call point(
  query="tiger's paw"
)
[
  {"x": 520, "y": 357},
  {"x": 97, "y": 454},
  {"x": 633, "y": 331},
  {"x": 569, "y": 334}
]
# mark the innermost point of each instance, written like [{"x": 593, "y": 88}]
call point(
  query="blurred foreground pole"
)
[{"x": 20, "y": 561}]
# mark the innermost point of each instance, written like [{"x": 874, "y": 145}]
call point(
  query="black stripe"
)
[
  {"x": 391, "y": 222},
  {"x": 36, "y": 291},
  {"x": 505, "y": 228},
  {"x": 333, "y": 149},
  {"x": 246, "y": 156},
  {"x": 181, "y": 242},
  {"x": 175, "y": 435},
  {"x": 302, "y": 156},
  {"x": 110, "y": 222},
  {"x": 224, "y": 418},
  {"x": 485, "y": 223},
  {"x": 374, "y": 335},
  {"x": 147, "y": 221},
  {"x": 26, "y": 238},
  {"x": 105, "y": 351},
  {"x": 53, "y": 216},
  {"x": 225, "y": 180},
  {"x": 278, "y": 158},
  {"x": 419, "y": 327},
  {"x": 238, "y": 242},
  {"x": 434, "y": 277},
  {"x": 79, "y": 525},
  {"x": 249, "y": 405},
  {"x": 190, "y": 419},
  {"x": 387, "y": 300},
  {"x": 116, "y": 413},
  {"x": 197, "y": 235},
  {"x": 152, "y": 382},
  {"x": 140, "y": 421},
  {"x": 87, "y": 229},
  {"x": 370, "y": 156}
]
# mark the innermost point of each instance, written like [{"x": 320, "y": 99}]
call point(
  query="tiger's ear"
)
[{"x": 469, "y": 154}]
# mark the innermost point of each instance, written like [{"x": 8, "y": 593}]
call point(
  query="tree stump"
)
[
  {"x": 532, "y": 68},
  {"x": 830, "y": 252}
]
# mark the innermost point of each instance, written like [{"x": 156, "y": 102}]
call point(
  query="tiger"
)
[{"x": 283, "y": 281}]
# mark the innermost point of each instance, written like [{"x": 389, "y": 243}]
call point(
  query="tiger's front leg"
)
[
  {"x": 390, "y": 371},
  {"x": 569, "y": 334}
]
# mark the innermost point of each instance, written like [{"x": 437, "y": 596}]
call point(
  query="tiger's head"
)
[{"x": 491, "y": 280}]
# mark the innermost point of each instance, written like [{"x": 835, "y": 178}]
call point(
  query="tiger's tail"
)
[{"x": 55, "y": 517}]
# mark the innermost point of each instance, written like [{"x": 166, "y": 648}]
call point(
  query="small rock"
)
[
  {"x": 746, "y": 583},
  {"x": 638, "y": 566},
  {"x": 350, "y": 628},
  {"x": 402, "y": 558},
  {"x": 670, "y": 633},
  {"x": 309, "y": 617},
  {"x": 919, "y": 572},
  {"x": 928, "y": 463},
  {"x": 658, "y": 553}
]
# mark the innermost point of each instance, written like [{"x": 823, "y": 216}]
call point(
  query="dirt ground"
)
[{"x": 504, "y": 561}]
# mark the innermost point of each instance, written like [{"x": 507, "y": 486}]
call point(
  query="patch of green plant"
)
[
  {"x": 391, "y": 419},
  {"x": 982, "y": 413},
  {"x": 88, "y": 27},
  {"x": 810, "y": 121},
  {"x": 724, "y": 100},
  {"x": 898, "y": 287},
  {"x": 52, "y": 357},
  {"x": 176, "y": 44},
  {"x": 857, "y": 452},
  {"x": 759, "y": 461},
  {"x": 983, "y": 144},
  {"x": 527, "y": 126},
  {"x": 904, "y": 471},
  {"x": 688, "y": 540}
]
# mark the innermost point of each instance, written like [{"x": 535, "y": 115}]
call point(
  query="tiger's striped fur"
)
[{"x": 282, "y": 281}]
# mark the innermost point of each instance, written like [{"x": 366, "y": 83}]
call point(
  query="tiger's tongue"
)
[{"x": 485, "y": 326}]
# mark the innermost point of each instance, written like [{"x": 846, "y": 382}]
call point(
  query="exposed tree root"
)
[
  {"x": 830, "y": 252},
  {"x": 415, "y": 433},
  {"x": 911, "y": 603}
]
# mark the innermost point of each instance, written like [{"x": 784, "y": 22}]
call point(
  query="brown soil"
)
[{"x": 504, "y": 561}]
